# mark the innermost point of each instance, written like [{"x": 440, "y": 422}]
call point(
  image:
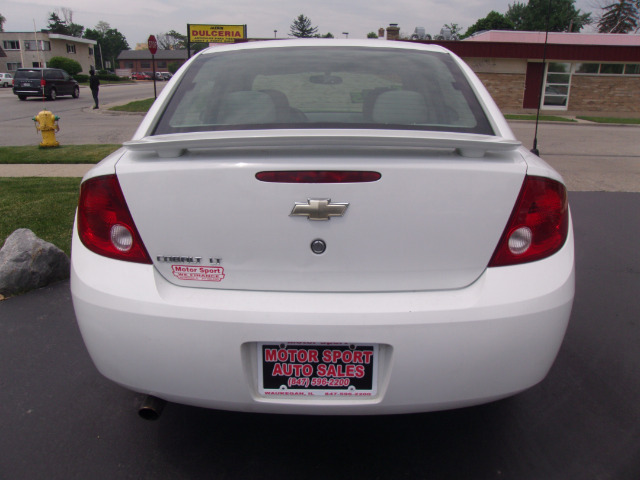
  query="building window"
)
[
  {"x": 11, "y": 44},
  {"x": 607, "y": 69},
  {"x": 162, "y": 64},
  {"x": 90, "y": 51},
  {"x": 129, "y": 65},
  {"x": 632, "y": 69},
  {"x": 556, "y": 86},
  {"x": 12, "y": 67},
  {"x": 145, "y": 65},
  {"x": 33, "y": 45},
  {"x": 71, "y": 48}
]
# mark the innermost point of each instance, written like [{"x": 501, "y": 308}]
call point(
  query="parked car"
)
[
  {"x": 140, "y": 76},
  {"x": 324, "y": 227},
  {"x": 47, "y": 82},
  {"x": 159, "y": 76},
  {"x": 166, "y": 75},
  {"x": 6, "y": 80}
]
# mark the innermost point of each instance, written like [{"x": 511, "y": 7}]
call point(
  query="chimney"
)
[{"x": 393, "y": 32}]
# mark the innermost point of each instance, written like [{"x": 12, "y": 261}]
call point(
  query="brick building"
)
[
  {"x": 140, "y": 60},
  {"x": 582, "y": 74}
]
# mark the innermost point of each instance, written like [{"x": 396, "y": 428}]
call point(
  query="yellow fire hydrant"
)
[{"x": 47, "y": 123}]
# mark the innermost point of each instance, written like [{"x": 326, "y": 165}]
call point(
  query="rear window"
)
[
  {"x": 30, "y": 74},
  {"x": 324, "y": 87}
]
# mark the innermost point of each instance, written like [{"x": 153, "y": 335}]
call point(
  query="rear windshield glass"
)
[
  {"x": 31, "y": 74},
  {"x": 324, "y": 87}
]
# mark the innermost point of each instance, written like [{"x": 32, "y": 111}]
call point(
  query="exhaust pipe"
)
[{"x": 151, "y": 408}]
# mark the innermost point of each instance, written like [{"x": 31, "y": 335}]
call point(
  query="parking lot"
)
[{"x": 61, "y": 419}]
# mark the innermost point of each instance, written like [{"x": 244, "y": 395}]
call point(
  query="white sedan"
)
[{"x": 323, "y": 227}]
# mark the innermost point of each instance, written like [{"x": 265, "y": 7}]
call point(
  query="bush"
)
[
  {"x": 81, "y": 78},
  {"x": 67, "y": 64},
  {"x": 110, "y": 77}
]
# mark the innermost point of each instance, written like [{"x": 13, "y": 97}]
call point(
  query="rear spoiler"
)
[{"x": 176, "y": 145}]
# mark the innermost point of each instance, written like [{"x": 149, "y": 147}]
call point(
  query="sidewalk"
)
[{"x": 40, "y": 170}]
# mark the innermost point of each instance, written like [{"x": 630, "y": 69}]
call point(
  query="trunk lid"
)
[{"x": 431, "y": 222}]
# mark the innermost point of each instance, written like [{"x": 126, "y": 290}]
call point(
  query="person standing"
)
[{"x": 94, "y": 85}]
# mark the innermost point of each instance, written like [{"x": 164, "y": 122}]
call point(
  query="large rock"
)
[{"x": 28, "y": 262}]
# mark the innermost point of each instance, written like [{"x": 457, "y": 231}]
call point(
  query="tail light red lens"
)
[
  {"x": 105, "y": 225},
  {"x": 538, "y": 225}
]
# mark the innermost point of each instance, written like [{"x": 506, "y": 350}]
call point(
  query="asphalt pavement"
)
[{"x": 60, "y": 419}]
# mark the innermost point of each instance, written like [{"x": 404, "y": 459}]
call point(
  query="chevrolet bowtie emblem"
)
[{"x": 321, "y": 209}]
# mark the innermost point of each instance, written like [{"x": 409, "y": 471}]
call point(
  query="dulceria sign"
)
[{"x": 216, "y": 33}]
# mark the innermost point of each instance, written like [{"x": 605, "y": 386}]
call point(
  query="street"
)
[{"x": 79, "y": 124}]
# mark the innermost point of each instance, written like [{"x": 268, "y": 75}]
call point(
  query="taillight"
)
[
  {"x": 538, "y": 225},
  {"x": 105, "y": 225}
]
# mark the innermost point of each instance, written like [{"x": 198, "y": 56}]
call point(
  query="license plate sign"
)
[{"x": 317, "y": 369}]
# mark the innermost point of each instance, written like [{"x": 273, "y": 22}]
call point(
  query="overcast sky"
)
[{"x": 137, "y": 19}]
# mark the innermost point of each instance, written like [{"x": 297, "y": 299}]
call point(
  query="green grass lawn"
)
[
  {"x": 624, "y": 121},
  {"x": 63, "y": 154},
  {"x": 543, "y": 118},
  {"x": 44, "y": 205},
  {"x": 139, "y": 106}
]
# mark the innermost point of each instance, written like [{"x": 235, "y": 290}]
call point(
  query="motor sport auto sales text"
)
[{"x": 318, "y": 368}]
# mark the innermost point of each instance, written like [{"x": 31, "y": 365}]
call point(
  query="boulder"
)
[{"x": 28, "y": 262}]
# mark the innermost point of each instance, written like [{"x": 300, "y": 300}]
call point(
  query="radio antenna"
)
[{"x": 535, "y": 150}]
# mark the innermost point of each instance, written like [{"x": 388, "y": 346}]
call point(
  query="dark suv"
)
[{"x": 30, "y": 82}]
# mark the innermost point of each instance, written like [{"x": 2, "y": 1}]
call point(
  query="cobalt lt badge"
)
[{"x": 319, "y": 209}]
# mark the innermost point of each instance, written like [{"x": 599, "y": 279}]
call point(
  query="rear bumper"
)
[
  {"x": 438, "y": 350},
  {"x": 28, "y": 92}
]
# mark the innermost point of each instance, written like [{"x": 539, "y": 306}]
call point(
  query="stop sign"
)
[{"x": 153, "y": 44}]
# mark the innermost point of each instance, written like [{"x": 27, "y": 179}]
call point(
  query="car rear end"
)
[
  {"x": 28, "y": 82},
  {"x": 374, "y": 242}
]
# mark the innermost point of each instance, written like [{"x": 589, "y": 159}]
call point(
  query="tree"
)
[
  {"x": 102, "y": 27},
  {"x": 110, "y": 43},
  {"x": 454, "y": 28},
  {"x": 2, "y": 20},
  {"x": 493, "y": 21},
  {"x": 67, "y": 64},
  {"x": 515, "y": 13},
  {"x": 372, "y": 35},
  {"x": 56, "y": 25},
  {"x": 621, "y": 16},
  {"x": 172, "y": 40},
  {"x": 65, "y": 25},
  {"x": 563, "y": 16},
  {"x": 301, "y": 28}
]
